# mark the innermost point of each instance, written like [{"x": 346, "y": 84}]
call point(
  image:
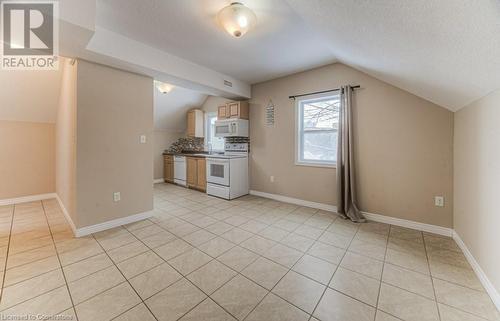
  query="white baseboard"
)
[
  {"x": 440, "y": 230},
  {"x": 113, "y": 223},
  {"x": 78, "y": 232},
  {"x": 25, "y": 199},
  {"x": 370, "y": 216},
  {"x": 296, "y": 201},
  {"x": 490, "y": 289},
  {"x": 158, "y": 180}
]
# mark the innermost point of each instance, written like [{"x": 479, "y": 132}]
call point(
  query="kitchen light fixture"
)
[
  {"x": 163, "y": 87},
  {"x": 237, "y": 19}
]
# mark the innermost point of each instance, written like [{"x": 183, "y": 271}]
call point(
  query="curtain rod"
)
[{"x": 321, "y": 92}]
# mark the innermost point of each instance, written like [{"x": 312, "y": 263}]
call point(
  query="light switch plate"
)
[
  {"x": 143, "y": 139},
  {"x": 116, "y": 196}
]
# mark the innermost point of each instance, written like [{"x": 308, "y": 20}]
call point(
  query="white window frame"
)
[
  {"x": 209, "y": 115},
  {"x": 299, "y": 132}
]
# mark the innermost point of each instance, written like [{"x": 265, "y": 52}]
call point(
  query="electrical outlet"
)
[
  {"x": 116, "y": 196},
  {"x": 271, "y": 179},
  {"x": 439, "y": 201},
  {"x": 143, "y": 139}
]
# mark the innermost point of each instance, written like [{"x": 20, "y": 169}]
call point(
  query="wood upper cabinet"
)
[
  {"x": 168, "y": 168},
  {"x": 196, "y": 173},
  {"x": 235, "y": 109},
  {"x": 222, "y": 112},
  {"x": 195, "y": 120}
]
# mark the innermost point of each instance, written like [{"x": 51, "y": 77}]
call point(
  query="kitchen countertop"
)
[
  {"x": 203, "y": 155},
  {"x": 189, "y": 154}
]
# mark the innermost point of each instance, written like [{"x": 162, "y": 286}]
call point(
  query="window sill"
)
[{"x": 315, "y": 164}]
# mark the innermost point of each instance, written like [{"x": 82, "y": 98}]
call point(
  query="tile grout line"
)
[
  {"x": 183, "y": 277},
  {"x": 209, "y": 296},
  {"x": 382, "y": 274},
  {"x": 432, "y": 279},
  {"x": 270, "y": 291},
  {"x": 304, "y": 253},
  {"x": 60, "y": 263},
  {"x": 393, "y": 285},
  {"x": 336, "y": 269},
  {"x": 126, "y": 280},
  {"x": 7, "y": 252}
]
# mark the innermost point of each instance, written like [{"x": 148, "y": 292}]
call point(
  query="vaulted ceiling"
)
[
  {"x": 446, "y": 51},
  {"x": 280, "y": 44}
]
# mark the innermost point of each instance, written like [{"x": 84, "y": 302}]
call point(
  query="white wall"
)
[{"x": 477, "y": 182}]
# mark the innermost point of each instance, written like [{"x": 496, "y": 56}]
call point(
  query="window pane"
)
[
  {"x": 320, "y": 114},
  {"x": 320, "y": 146}
]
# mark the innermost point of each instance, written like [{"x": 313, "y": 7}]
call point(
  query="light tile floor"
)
[{"x": 203, "y": 258}]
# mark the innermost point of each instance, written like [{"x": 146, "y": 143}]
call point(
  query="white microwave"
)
[{"x": 231, "y": 127}]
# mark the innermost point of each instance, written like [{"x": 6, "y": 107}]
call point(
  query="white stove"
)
[{"x": 227, "y": 174}]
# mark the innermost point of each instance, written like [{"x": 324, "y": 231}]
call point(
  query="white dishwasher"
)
[{"x": 180, "y": 170}]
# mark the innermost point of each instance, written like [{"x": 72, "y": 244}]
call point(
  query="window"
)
[
  {"x": 217, "y": 143},
  {"x": 317, "y": 125}
]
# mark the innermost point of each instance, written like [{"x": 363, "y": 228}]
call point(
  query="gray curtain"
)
[{"x": 346, "y": 183}]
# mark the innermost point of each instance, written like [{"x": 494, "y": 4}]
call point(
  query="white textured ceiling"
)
[
  {"x": 447, "y": 51},
  {"x": 280, "y": 44},
  {"x": 170, "y": 109}
]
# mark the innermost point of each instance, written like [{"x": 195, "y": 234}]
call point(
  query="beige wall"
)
[
  {"x": 28, "y": 106},
  {"x": 30, "y": 96},
  {"x": 114, "y": 108},
  {"x": 404, "y": 147},
  {"x": 27, "y": 153},
  {"x": 477, "y": 182},
  {"x": 66, "y": 139},
  {"x": 162, "y": 139}
]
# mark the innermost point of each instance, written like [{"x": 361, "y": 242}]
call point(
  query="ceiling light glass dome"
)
[{"x": 237, "y": 19}]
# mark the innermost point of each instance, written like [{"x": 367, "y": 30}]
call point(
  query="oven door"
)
[{"x": 218, "y": 171}]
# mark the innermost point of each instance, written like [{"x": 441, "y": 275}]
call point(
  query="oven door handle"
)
[{"x": 216, "y": 161}]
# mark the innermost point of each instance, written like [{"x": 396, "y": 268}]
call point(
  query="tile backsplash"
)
[{"x": 187, "y": 144}]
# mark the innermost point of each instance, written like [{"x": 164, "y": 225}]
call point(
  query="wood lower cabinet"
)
[
  {"x": 196, "y": 173},
  {"x": 192, "y": 170},
  {"x": 201, "y": 171},
  {"x": 168, "y": 168}
]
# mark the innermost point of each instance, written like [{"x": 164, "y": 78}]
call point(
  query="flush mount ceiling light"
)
[
  {"x": 163, "y": 87},
  {"x": 236, "y": 19}
]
